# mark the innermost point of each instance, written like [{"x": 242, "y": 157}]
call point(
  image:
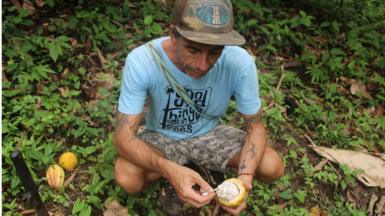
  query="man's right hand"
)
[{"x": 183, "y": 179}]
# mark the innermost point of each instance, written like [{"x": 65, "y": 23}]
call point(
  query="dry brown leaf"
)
[
  {"x": 65, "y": 72},
  {"x": 106, "y": 79},
  {"x": 101, "y": 57},
  {"x": 28, "y": 212},
  {"x": 113, "y": 208},
  {"x": 70, "y": 179},
  {"x": 380, "y": 111},
  {"x": 342, "y": 90},
  {"x": 315, "y": 211},
  {"x": 320, "y": 165},
  {"x": 74, "y": 42},
  {"x": 4, "y": 76},
  {"x": 372, "y": 166},
  {"x": 359, "y": 89},
  {"x": 16, "y": 3},
  {"x": 64, "y": 91},
  {"x": 29, "y": 7},
  {"x": 40, "y": 3},
  {"x": 346, "y": 80}
]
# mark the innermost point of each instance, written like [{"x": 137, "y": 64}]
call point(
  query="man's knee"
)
[
  {"x": 279, "y": 168},
  {"x": 130, "y": 177},
  {"x": 271, "y": 167}
]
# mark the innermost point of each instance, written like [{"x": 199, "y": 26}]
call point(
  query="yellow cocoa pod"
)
[
  {"x": 55, "y": 177},
  {"x": 231, "y": 192},
  {"x": 68, "y": 161}
]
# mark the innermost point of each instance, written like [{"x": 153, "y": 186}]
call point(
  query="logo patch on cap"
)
[{"x": 212, "y": 14}]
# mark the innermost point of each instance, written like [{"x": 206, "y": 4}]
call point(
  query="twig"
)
[
  {"x": 336, "y": 171},
  {"x": 216, "y": 210},
  {"x": 69, "y": 179},
  {"x": 310, "y": 140},
  {"x": 321, "y": 164},
  {"x": 28, "y": 211},
  {"x": 373, "y": 200},
  {"x": 281, "y": 78},
  {"x": 285, "y": 65},
  {"x": 271, "y": 104},
  {"x": 380, "y": 207}
]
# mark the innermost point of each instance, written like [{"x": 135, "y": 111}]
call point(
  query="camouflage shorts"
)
[{"x": 212, "y": 150}]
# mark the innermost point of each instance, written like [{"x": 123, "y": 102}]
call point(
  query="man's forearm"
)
[
  {"x": 253, "y": 149},
  {"x": 135, "y": 150},
  {"x": 139, "y": 153}
]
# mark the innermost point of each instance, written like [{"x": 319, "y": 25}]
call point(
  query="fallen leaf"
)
[
  {"x": 64, "y": 91},
  {"x": 359, "y": 89},
  {"x": 101, "y": 57},
  {"x": 29, "y": 7},
  {"x": 346, "y": 80},
  {"x": 372, "y": 166},
  {"x": 315, "y": 211},
  {"x": 40, "y": 3},
  {"x": 320, "y": 165},
  {"x": 113, "y": 208},
  {"x": 71, "y": 178},
  {"x": 16, "y": 3},
  {"x": 74, "y": 42},
  {"x": 342, "y": 90},
  {"x": 380, "y": 111},
  {"x": 28, "y": 212}
]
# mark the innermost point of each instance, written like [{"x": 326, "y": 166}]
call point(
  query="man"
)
[{"x": 190, "y": 78}]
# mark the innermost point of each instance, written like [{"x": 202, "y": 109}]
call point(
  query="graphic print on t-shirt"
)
[{"x": 178, "y": 116}]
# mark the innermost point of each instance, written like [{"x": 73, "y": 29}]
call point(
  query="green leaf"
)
[
  {"x": 50, "y": 3},
  {"x": 86, "y": 211},
  {"x": 300, "y": 195},
  {"x": 252, "y": 22},
  {"x": 54, "y": 51},
  {"x": 148, "y": 20},
  {"x": 287, "y": 194},
  {"x": 381, "y": 62}
]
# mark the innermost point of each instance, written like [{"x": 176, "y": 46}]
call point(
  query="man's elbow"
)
[{"x": 121, "y": 141}]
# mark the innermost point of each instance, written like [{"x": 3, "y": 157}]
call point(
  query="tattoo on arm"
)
[
  {"x": 253, "y": 119},
  {"x": 252, "y": 150},
  {"x": 242, "y": 166},
  {"x": 122, "y": 120}
]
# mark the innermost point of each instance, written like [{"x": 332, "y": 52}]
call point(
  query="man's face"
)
[{"x": 195, "y": 59}]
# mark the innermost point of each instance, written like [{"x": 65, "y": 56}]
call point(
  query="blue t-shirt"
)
[{"x": 234, "y": 73}]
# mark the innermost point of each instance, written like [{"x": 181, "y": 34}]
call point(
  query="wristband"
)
[{"x": 252, "y": 174}]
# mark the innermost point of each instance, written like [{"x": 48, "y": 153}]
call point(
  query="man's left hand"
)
[{"x": 248, "y": 184}]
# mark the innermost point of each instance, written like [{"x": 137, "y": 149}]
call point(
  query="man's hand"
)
[
  {"x": 183, "y": 179},
  {"x": 248, "y": 184}
]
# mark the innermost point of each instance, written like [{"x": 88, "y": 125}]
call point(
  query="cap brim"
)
[{"x": 228, "y": 38}]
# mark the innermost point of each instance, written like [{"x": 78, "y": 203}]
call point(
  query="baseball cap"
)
[{"x": 206, "y": 21}]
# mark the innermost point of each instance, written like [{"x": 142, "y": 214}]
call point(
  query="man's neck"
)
[{"x": 170, "y": 50}]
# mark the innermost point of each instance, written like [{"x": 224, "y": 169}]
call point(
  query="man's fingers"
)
[
  {"x": 204, "y": 186},
  {"x": 235, "y": 211},
  {"x": 195, "y": 198}
]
